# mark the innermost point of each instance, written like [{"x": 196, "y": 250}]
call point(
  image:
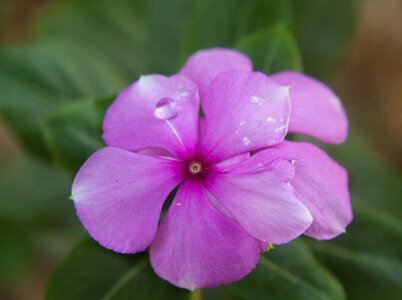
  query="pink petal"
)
[
  {"x": 203, "y": 66},
  {"x": 234, "y": 159},
  {"x": 119, "y": 195},
  {"x": 157, "y": 152},
  {"x": 316, "y": 110},
  {"x": 243, "y": 111},
  {"x": 155, "y": 112},
  {"x": 202, "y": 126},
  {"x": 263, "y": 246},
  {"x": 231, "y": 160},
  {"x": 198, "y": 247},
  {"x": 257, "y": 193},
  {"x": 322, "y": 185}
]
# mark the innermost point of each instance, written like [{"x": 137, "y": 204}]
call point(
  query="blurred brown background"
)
[{"x": 370, "y": 78}]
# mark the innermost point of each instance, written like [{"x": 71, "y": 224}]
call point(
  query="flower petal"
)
[
  {"x": 244, "y": 111},
  {"x": 198, "y": 247},
  {"x": 157, "y": 152},
  {"x": 316, "y": 110},
  {"x": 203, "y": 66},
  {"x": 231, "y": 160},
  {"x": 119, "y": 195},
  {"x": 234, "y": 159},
  {"x": 257, "y": 193},
  {"x": 155, "y": 112},
  {"x": 322, "y": 185}
]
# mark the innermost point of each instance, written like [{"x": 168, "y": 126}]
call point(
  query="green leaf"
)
[
  {"x": 36, "y": 79},
  {"x": 15, "y": 253},
  {"x": 117, "y": 29},
  {"x": 213, "y": 24},
  {"x": 84, "y": 49},
  {"x": 222, "y": 22},
  {"x": 167, "y": 22},
  {"x": 92, "y": 272},
  {"x": 364, "y": 276},
  {"x": 287, "y": 272},
  {"x": 376, "y": 229},
  {"x": 74, "y": 132},
  {"x": 322, "y": 30},
  {"x": 272, "y": 49},
  {"x": 36, "y": 216},
  {"x": 259, "y": 14},
  {"x": 367, "y": 258},
  {"x": 34, "y": 192}
]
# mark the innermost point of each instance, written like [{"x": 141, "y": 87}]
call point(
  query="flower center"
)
[{"x": 195, "y": 167}]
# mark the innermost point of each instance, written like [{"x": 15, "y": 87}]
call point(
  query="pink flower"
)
[{"x": 229, "y": 204}]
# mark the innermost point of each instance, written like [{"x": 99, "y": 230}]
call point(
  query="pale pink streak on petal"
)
[
  {"x": 132, "y": 122},
  {"x": 322, "y": 185},
  {"x": 257, "y": 193},
  {"x": 157, "y": 152},
  {"x": 243, "y": 111},
  {"x": 316, "y": 110},
  {"x": 234, "y": 159},
  {"x": 215, "y": 203},
  {"x": 198, "y": 247},
  {"x": 203, "y": 66},
  {"x": 119, "y": 195}
]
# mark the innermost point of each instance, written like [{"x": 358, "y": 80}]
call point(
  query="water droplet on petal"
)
[
  {"x": 246, "y": 141},
  {"x": 165, "y": 109}
]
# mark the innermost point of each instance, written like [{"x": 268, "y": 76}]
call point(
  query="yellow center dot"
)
[{"x": 195, "y": 167}]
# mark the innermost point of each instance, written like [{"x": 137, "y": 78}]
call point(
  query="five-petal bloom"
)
[{"x": 229, "y": 203}]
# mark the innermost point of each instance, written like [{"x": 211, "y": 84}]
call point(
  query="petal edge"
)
[
  {"x": 322, "y": 185},
  {"x": 119, "y": 195},
  {"x": 204, "y": 65},
  {"x": 316, "y": 110},
  {"x": 198, "y": 247}
]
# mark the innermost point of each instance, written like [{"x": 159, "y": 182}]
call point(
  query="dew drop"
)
[
  {"x": 246, "y": 141},
  {"x": 165, "y": 109},
  {"x": 255, "y": 99}
]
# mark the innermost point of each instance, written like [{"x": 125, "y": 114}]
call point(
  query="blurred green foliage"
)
[
  {"x": 273, "y": 49},
  {"x": 91, "y": 272},
  {"x": 74, "y": 132},
  {"x": 54, "y": 91},
  {"x": 322, "y": 28},
  {"x": 291, "y": 272},
  {"x": 36, "y": 216},
  {"x": 367, "y": 258}
]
